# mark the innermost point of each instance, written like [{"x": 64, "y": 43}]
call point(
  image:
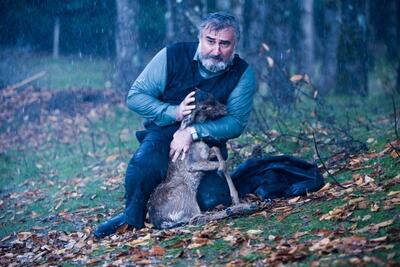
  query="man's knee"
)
[{"x": 147, "y": 168}]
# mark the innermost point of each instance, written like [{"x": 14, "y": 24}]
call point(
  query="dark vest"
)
[{"x": 183, "y": 76}]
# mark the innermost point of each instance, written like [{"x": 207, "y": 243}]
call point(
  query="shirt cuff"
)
[{"x": 170, "y": 113}]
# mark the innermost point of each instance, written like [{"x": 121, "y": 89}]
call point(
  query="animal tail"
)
[{"x": 236, "y": 210}]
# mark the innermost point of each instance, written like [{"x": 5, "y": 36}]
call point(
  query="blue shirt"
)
[{"x": 144, "y": 95}]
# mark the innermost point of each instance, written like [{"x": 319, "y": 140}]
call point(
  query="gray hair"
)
[{"x": 218, "y": 21}]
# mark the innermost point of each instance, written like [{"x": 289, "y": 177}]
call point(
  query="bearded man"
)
[{"x": 164, "y": 93}]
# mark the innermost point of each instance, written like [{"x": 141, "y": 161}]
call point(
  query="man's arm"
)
[
  {"x": 143, "y": 97},
  {"x": 239, "y": 105}
]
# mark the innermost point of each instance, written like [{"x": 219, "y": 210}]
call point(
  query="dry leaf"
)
[
  {"x": 157, "y": 251},
  {"x": 140, "y": 241},
  {"x": 199, "y": 242},
  {"x": 379, "y": 239},
  {"x": 253, "y": 232},
  {"x": 308, "y": 80},
  {"x": 394, "y": 154},
  {"x": 270, "y": 62},
  {"x": 294, "y": 200},
  {"x": 265, "y": 46},
  {"x": 374, "y": 207},
  {"x": 111, "y": 158},
  {"x": 392, "y": 193},
  {"x": 296, "y": 78},
  {"x": 315, "y": 95}
]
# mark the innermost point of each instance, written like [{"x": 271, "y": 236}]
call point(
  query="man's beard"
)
[{"x": 208, "y": 62}]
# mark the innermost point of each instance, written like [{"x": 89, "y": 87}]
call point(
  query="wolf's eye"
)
[{"x": 203, "y": 107}]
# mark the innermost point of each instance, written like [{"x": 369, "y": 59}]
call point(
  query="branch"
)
[
  {"x": 27, "y": 80},
  {"x": 193, "y": 18},
  {"x": 395, "y": 117},
  {"x": 323, "y": 164}
]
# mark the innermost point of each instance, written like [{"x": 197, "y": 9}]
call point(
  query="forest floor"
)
[{"x": 63, "y": 155}]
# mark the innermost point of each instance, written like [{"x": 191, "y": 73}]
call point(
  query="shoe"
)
[{"x": 111, "y": 226}]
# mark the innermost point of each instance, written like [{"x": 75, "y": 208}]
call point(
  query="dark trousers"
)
[{"x": 148, "y": 168}]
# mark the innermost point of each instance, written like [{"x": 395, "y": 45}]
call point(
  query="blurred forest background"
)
[
  {"x": 338, "y": 43},
  {"x": 328, "y": 74}
]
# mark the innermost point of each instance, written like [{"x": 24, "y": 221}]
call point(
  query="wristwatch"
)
[{"x": 194, "y": 134}]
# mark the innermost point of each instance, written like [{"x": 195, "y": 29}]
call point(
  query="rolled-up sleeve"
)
[
  {"x": 143, "y": 96},
  {"x": 239, "y": 106}
]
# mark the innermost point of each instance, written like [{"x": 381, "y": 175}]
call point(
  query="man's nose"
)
[{"x": 216, "y": 50}]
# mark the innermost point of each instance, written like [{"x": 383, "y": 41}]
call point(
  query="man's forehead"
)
[{"x": 227, "y": 34}]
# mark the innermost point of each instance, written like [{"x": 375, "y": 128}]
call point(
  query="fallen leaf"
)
[
  {"x": 379, "y": 239},
  {"x": 294, "y": 200},
  {"x": 374, "y": 207},
  {"x": 366, "y": 217},
  {"x": 254, "y": 232},
  {"x": 157, "y": 251},
  {"x": 22, "y": 236},
  {"x": 308, "y": 80},
  {"x": 296, "y": 78},
  {"x": 374, "y": 227},
  {"x": 299, "y": 234},
  {"x": 321, "y": 244},
  {"x": 392, "y": 193},
  {"x": 265, "y": 46},
  {"x": 111, "y": 158},
  {"x": 139, "y": 241},
  {"x": 270, "y": 62},
  {"x": 199, "y": 242}
]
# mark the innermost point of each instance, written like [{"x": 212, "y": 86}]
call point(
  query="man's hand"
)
[
  {"x": 185, "y": 107},
  {"x": 180, "y": 144}
]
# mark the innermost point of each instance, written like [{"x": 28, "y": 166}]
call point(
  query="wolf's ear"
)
[{"x": 203, "y": 96}]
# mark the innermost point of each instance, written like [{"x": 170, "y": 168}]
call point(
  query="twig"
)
[
  {"x": 27, "y": 80},
  {"x": 395, "y": 117},
  {"x": 323, "y": 164}
]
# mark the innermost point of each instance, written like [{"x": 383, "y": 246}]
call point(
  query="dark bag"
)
[{"x": 277, "y": 176}]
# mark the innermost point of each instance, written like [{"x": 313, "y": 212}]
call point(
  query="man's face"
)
[{"x": 217, "y": 48}]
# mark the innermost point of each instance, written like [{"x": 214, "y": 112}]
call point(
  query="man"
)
[{"x": 164, "y": 93}]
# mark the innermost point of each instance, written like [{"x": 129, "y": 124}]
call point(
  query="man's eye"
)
[{"x": 211, "y": 41}]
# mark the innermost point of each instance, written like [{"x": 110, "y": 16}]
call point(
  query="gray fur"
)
[{"x": 174, "y": 201}]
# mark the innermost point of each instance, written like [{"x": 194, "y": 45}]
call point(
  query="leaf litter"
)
[{"x": 338, "y": 244}]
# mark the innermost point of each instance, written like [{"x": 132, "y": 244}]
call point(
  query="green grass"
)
[
  {"x": 72, "y": 72},
  {"x": 62, "y": 73},
  {"x": 43, "y": 189}
]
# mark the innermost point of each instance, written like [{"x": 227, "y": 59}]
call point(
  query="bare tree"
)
[
  {"x": 56, "y": 38},
  {"x": 128, "y": 59},
  {"x": 330, "y": 41},
  {"x": 352, "y": 49},
  {"x": 179, "y": 27},
  {"x": 307, "y": 51}
]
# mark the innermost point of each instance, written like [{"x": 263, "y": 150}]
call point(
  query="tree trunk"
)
[
  {"x": 170, "y": 34},
  {"x": 253, "y": 34},
  {"x": 179, "y": 27},
  {"x": 352, "y": 50},
  {"x": 330, "y": 43},
  {"x": 278, "y": 37},
  {"x": 307, "y": 52},
  {"x": 128, "y": 57},
  {"x": 56, "y": 38},
  {"x": 398, "y": 77},
  {"x": 223, "y": 5}
]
